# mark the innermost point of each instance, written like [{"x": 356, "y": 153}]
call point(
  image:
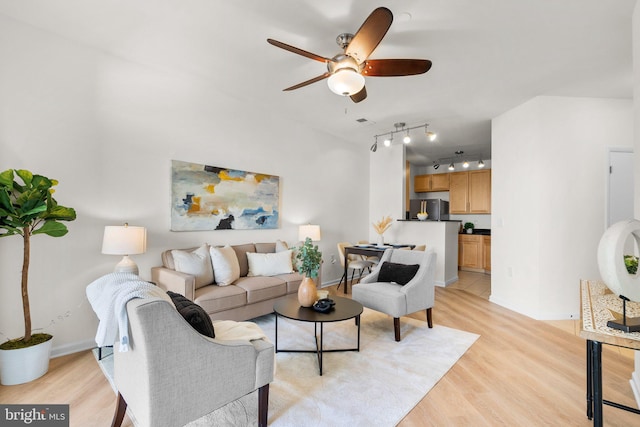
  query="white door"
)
[{"x": 621, "y": 192}]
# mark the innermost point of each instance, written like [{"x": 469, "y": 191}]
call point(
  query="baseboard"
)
[
  {"x": 533, "y": 314},
  {"x": 73, "y": 347}
]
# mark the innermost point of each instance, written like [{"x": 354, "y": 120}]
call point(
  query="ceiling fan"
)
[{"x": 346, "y": 70}]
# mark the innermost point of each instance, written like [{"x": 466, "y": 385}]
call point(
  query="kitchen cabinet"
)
[
  {"x": 432, "y": 182},
  {"x": 474, "y": 252},
  {"x": 470, "y": 251},
  {"x": 470, "y": 192},
  {"x": 486, "y": 253}
]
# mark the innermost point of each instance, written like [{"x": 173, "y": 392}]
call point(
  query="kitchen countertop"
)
[{"x": 480, "y": 232}]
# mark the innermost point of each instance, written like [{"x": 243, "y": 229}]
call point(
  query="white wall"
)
[
  {"x": 108, "y": 129},
  {"x": 386, "y": 188},
  {"x": 635, "y": 381},
  {"x": 549, "y": 165}
]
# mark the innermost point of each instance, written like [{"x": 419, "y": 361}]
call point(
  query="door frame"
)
[{"x": 610, "y": 150}]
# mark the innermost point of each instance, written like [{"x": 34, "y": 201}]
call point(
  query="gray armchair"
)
[
  {"x": 397, "y": 300},
  {"x": 172, "y": 375}
]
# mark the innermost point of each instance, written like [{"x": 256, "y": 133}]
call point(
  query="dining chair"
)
[
  {"x": 354, "y": 262},
  {"x": 374, "y": 259}
]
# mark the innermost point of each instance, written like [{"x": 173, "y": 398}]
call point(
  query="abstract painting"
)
[{"x": 214, "y": 198}]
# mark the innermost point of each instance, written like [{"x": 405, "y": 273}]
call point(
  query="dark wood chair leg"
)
[
  {"x": 263, "y": 405},
  {"x": 429, "y": 319},
  {"x": 396, "y": 327},
  {"x": 121, "y": 409}
]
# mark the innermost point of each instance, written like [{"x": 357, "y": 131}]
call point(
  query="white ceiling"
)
[{"x": 488, "y": 56}]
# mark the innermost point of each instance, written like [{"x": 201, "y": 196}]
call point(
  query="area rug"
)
[{"x": 378, "y": 385}]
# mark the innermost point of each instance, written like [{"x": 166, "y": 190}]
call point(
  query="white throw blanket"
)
[{"x": 108, "y": 296}]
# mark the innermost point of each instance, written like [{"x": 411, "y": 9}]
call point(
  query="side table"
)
[{"x": 597, "y": 302}]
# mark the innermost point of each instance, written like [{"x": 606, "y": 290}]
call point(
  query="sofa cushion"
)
[
  {"x": 214, "y": 298},
  {"x": 293, "y": 281},
  {"x": 262, "y": 288},
  {"x": 269, "y": 264},
  {"x": 196, "y": 262},
  {"x": 397, "y": 273},
  {"x": 226, "y": 269},
  {"x": 241, "y": 254},
  {"x": 193, "y": 314},
  {"x": 265, "y": 248}
]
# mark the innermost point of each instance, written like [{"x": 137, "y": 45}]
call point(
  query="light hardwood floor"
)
[{"x": 520, "y": 372}]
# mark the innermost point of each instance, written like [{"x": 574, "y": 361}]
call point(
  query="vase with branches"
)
[{"x": 381, "y": 226}]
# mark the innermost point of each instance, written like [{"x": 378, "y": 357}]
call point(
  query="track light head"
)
[
  {"x": 374, "y": 147},
  {"x": 480, "y": 163},
  {"x": 465, "y": 164},
  {"x": 451, "y": 167},
  {"x": 436, "y": 166}
]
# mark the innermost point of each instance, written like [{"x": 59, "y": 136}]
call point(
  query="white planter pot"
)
[{"x": 24, "y": 364}]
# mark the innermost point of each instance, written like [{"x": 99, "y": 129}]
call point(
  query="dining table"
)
[{"x": 367, "y": 249}]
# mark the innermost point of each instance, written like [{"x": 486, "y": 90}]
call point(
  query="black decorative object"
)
[
  {"x": 193, "y": 314},
  {"x": 324, "y": 305},
  {"x": 627, "y": 325}
]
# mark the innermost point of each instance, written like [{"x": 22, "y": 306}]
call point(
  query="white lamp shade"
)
[
  {"x": 311, "y": 231},
  {"x": 346, "y": 82},
  {"x": 124, "y": 240}
]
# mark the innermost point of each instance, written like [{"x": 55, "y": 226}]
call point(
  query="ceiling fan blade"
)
[
  {"x": 360, "y": 96},
  {"x": 370, "y": 34},
  {"x": 395, "y": 67},
  {"x": 298, "y": 51},
  {"x": 308, "y": 82}
]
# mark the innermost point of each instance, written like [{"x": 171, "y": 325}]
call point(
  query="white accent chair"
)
[
  {"x": 172, "y": 375},
  {"x": 398, "y": 300}
]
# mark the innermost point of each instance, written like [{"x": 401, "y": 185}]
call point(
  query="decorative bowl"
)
[{"x": 422, "y": 216}]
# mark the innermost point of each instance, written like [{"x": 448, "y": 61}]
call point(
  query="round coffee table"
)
[{"x": 344, "y": 309}]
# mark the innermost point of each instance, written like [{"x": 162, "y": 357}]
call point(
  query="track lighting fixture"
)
[
  {"x": 456, "y": 159},
  {"x": 401, "y": 128},
  {"x": 374, "y": 147}
]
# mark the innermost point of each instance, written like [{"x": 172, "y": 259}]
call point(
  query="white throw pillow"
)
[
  {"x": 196, "y": 263},
  {"x": 269, "y": 264},
  {"x": 226, "y": 268},
  {"x": 281, "y": 246}
]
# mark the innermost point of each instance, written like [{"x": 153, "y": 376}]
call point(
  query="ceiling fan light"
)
[{"x": 345, "y": 82}]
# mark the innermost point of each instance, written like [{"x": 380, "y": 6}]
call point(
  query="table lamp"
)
[
  {"x": 311, "y": 231},
  {"x": 124, "y": 240}
]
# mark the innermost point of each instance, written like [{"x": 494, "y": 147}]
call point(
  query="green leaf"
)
[
  {"x": 6, "y": 178},
  {"x": 52, "y": 228},
  {"x": 26, "y": 176},
  {"x": 61, "y": 213}
]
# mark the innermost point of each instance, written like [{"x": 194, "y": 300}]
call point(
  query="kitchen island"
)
[{"x": 442, "y": 236}]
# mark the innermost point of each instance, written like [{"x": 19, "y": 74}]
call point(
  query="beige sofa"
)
[{"x": 245, "y": 298}]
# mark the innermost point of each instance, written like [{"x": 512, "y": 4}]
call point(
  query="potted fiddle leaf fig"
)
[{"x": 27, "y": 208}]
